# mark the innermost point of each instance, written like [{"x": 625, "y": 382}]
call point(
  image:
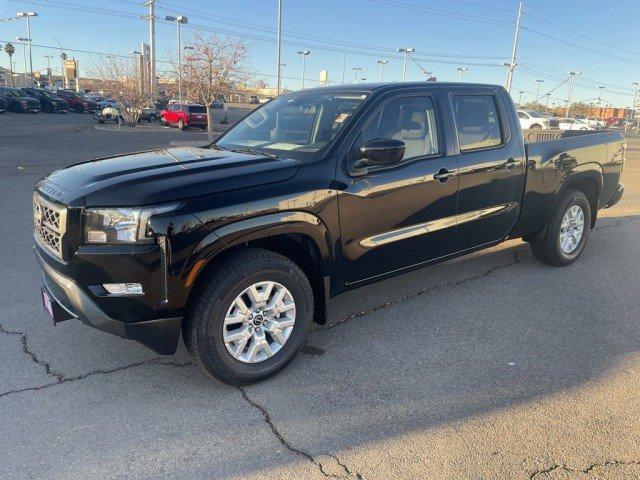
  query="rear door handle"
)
[
  {"x": 443, "y": 175},
  {"x": 510, "y": 164}
]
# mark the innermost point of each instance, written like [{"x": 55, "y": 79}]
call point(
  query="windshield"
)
[
  {"x": 536, "y": 114},
  {"x": 297, "y": 125}
]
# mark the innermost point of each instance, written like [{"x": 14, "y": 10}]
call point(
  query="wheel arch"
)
[
  {"x": 588, "y": 182},
  {"x": 300, "y": 236}
]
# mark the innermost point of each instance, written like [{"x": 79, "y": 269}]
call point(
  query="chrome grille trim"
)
[{"x": 49, "y": 224}]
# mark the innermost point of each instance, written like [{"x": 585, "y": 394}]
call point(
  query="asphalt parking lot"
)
[{"x": 491, "y": 366}]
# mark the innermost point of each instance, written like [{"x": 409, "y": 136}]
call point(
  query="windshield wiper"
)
[{"x": 253, "y": 152}]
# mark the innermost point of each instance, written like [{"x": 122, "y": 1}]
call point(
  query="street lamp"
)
[
  {"x": 538, "y": 89},
  {"x": 382, "y": 63},
  {"x": 573, "y": 77},
  {"x": 28, "y": 15},
  {"x": 406, "y": 51},
  {"x": 304, "y": 54},
  {"x": 48, "y": 57},
  {"x": 520, "y": 98},
  {"x": 180, "y": 19},
  {"x": 461, "y": 70},
  {"x": 548, "y": 95},
  {"x": 355, "y": 74},
  {"x": 24, "y": 41},
  {"x": 363, "y": 79}
]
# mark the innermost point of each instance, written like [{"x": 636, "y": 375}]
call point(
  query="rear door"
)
[
  {"x": 395, "y": 217},
  {"x": 491, "y": 167}
]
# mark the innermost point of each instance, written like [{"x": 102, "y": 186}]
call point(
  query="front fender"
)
[{"x": 261, "y": 227}]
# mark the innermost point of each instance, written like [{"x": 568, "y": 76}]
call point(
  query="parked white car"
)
[
  {"x": 596, "y": 122},
  {"x": 574, "y": 124},
  {"x": 532, "y": 119}
]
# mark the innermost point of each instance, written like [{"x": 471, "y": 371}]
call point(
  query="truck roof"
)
[{"x": 390, "y": 86}]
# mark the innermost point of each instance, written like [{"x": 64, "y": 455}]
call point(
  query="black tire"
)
[
  {"x": 16, "y": 108},
  {"x": 47, "y": 108},
  {"x": 536, "y": 127},
  {"x": 547, "y": 248},
  {"x": 181, "y": 125},
  {"x": 151, "y": 118},
  {"x": 100, "y": 121},
  {"x": 78, "y": 108},
  {"x": 203, "y": 327}
]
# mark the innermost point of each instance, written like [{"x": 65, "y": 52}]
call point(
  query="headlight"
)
[{"x": 121, "y": 225}]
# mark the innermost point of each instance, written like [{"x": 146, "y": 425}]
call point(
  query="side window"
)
[
  {"x": 411, "y": 120},
  {"x": 477, "y": 121},
  {"x": 523, "y": 115}
]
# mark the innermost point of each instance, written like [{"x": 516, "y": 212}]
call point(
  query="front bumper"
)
[
  {"x": 616, "y": 196},
  {"x": 72, "y": 302}
]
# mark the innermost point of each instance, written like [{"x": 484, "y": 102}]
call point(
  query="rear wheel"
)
[
  {"x": 536, "y": 127},
  {"x": 181, "y": 124},
  {"x": 251, "y": 317},
  {"x": 79, "y": 108},
  {"x": 47, "y": 108},
  {"x": 15, "y": 107},
  {"x": 566, "y": 232}
]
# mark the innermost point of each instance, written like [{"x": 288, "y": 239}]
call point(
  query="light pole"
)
[
  {"x": 63, "y": 57},
  {"x": 304, "y": 54},
  {"x": 48, "y": 57},
  {"x": 344, "y": 57},
  {"x": 382, "y": 63},
  {"x": 363, "y": 79},
  {"x": 278, "y": 49},
  {"x": 461, "y": 70},
  {"x": 600, "y": 88},
  {"x": 520, "y": 97},
  {"x": 24, "y": 56},
  {"x": 548, "y": 95},
  {"x": 406, "y": 52},
  {"x": 573, "y": 78},
  {"x": 635, "y": 96},
  {"x": 180, "y": 19},
  {"x": 538, "y": 90},
  {"x": 512, "y": 63},
  {"x": 28, "y": 15},
  {"x": 355, "y": 74}
]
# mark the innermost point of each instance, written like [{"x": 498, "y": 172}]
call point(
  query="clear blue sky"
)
[{"x": 476, "y": 34}]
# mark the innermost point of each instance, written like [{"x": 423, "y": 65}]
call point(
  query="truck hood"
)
[{"x": 161, "y": 176}]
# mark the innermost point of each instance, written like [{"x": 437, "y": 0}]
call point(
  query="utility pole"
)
[
  {"x": 520, "y": 98},
  {"x": 180, "y": 19},
  {"x": 28, "y": 16},
  {"x": 548, "y": 95},
  {"x": 152, "y": 47},
  {"x": 344, "y": 57},
  {"x": 278, "y": 49},
  {"x": 382, "y": 63},
  {"x": 304, "y": 54},
  {"x": 24, "y": 56},
  {"x": 406, "y": 52},
  {"x": 461, "y": 70},
  {"x": 538, "y": 90},
  {"x": 355, "y": 74},
  {"x": 512, "y": 63},
  {"x": 635, "y": 96},
  {"x": 63, "y": 57},
  {"x": 600, "y": 88},
  {"x": 573, "y": 78}
]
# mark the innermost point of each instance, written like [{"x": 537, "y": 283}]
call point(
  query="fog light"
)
[{"x": 123, "y": 288}]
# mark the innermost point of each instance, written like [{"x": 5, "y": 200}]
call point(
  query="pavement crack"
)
[
  {"x": 102, "y": 371},
  {"x": 25, "y": 348},
  {"x": 421, "y": 292},
  {"x": 342, "y": 471},
  {"x": 586, "y": 471}
]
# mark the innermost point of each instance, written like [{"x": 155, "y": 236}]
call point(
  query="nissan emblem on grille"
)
[{"x": 49, "y": 222}]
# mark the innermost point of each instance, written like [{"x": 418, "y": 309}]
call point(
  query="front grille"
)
[{"x": 49, "y": 224}]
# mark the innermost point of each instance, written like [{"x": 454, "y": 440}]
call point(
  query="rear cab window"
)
[{"x": 477, "y": 120}]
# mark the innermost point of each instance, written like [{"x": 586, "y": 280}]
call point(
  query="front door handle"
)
[
  {"x": 510, "y": 164},
  {"x": 443, "y": 175}
]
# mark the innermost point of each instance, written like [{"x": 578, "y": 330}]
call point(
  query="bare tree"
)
[
  {"x": 121, "y": 80},
  {"x": 214, "y": 66}
]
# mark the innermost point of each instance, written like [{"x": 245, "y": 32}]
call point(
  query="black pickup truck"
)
[{"x": 240, "y": 244}]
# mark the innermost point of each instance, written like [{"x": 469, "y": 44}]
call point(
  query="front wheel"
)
[
  {"x": 251, "y": 317},
  {"x": 566, "y": 232},
  {"x": 79, "y": 108},
  {"x": 180, "y": 124}
]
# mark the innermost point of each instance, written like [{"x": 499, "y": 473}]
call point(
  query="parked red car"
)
[
  {"x": 613, "y": 121},
  {"x": 77, "y": 102},
  {"x": 185, "y": 115}
]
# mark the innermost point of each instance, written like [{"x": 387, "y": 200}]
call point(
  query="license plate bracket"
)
[{"x": 53, "y": 308}]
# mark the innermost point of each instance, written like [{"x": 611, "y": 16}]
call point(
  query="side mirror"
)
[{"x": 381, "y": 152}]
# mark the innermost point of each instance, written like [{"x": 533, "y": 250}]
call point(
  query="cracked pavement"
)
[{"x": 488, "y": 366}]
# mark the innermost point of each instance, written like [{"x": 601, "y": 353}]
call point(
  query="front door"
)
[{"x": 395, "y": 217}]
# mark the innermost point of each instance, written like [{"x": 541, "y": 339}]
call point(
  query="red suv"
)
[
  {"x": 185, "y": 115},
  {"x": 77, "y": 102}
]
